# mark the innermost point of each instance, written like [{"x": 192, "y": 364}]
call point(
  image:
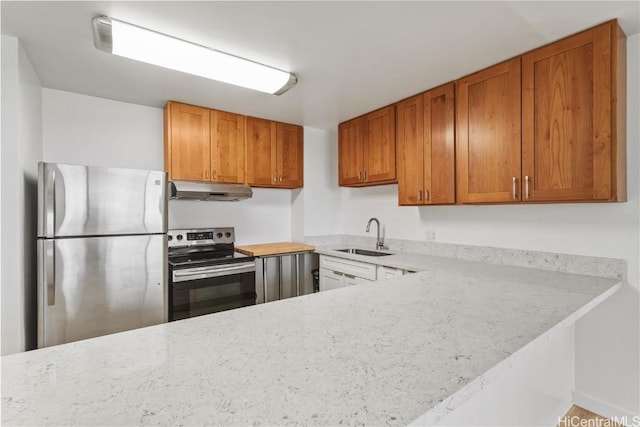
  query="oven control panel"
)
[{"x": 200, "y": 236}]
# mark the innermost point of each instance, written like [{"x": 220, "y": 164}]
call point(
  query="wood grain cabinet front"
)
[
  {"x": 488, "y": 135},
  {"x": 367, "y": 149},
  {"x": 548, "y": 126},
  {"x": 274, "y": 154},
  {"x": 425, "y": 148},
  {"x": 187, "y": 142},
  {"x": 573, "y": 99},
  {"x": 203, "y": 144}
]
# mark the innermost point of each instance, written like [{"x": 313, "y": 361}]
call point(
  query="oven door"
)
[{"x": 203, "y": 290}]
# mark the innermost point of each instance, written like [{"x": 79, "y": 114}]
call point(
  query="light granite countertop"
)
[{"x": 374, "y": 354}]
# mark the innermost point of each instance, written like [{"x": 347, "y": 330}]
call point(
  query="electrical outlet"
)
[{"x": 430, "y": 235}]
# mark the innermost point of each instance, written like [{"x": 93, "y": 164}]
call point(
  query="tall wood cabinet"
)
[
  {"x": 573, "y": 132},
  {"x": 274, "y": 154},
  {"x": 488, "y": 135},
  {"x": 425, "y": 148},
  {"x": 203, "y": 144},
  {"x": 367, "y": 149}
]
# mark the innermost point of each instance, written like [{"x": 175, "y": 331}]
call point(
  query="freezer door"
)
[
  {"x": 94, "y": 286},
  {"x": 91, "y": 201}
]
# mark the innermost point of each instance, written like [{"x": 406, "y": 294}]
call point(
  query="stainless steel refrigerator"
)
[{"x": 102, "y": 251}]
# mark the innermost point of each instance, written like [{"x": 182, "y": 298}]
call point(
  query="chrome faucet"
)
[{"x": 379, "y": 242}]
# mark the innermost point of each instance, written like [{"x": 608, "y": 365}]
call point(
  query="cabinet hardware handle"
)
[
  {"x": 526, "y": 187},
  {"x": 206, "y": 174},
  {"x": 419, "y": 195},
  {"x": 365, "y": 175},
  {"x": 513, "y": 188},
  {"x": 360, "y": 176},
  {"x": 213, "y": 175},
  {"x": 280, "y": 178},
  {"x": 274, "y": 178},
  {"x": 426, "y": 195}
]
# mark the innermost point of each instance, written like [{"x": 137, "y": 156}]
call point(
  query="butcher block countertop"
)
[{"x": 268, "y": 249}]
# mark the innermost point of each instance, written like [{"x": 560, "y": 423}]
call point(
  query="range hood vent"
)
[{"x": 194, "y": 190}]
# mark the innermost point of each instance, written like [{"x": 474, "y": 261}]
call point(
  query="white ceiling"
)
[{"x": 350, "y": 57}]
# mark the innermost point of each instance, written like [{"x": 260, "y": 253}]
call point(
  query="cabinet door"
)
[
  {"x": 227, "y": 147},
  {"x": 566, "y": 117},
  {"x": 439, "y": 151},
  {"x": 489, "y": 136},
  {"x": 186, "y": 150},
  {"x": 289, "y": 155},
  {"x": 380, "y": 146},
  {"x": 388, "y": 272},
  {"x": 261, "y": 152},
  {"x": 410, "y": 150},
  {"x": 330, "y": 280},
  {"x": 350, "y": 155}
]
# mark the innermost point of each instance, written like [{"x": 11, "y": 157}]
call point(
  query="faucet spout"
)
[{"x": 379, "y": 242}]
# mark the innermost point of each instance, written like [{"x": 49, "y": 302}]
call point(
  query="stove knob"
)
[
  {"x": 170, "y": 237},
  {"x": 219, "y": 235},
  {"x": 227, "y": 234},
  {"x": 179, "y": 237}
]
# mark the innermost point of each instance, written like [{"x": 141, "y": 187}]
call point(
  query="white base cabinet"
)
[
  {"x": 340, "y": 272},
  {"x": 384, "y": 272}
]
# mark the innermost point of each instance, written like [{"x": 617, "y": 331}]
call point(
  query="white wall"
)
[
  {"x": 322, "y": 203},
  {"x": 21, "y": 150},
  {"x": 82, "y": 129}
]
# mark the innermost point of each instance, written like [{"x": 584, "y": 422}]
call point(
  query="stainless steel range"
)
[{"x": 206, "y": 275}]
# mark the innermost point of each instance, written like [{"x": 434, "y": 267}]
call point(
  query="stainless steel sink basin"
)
[{"x": 364, "y": 252}]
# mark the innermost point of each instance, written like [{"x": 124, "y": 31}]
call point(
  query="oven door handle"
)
[{"x": 208, "y": 272}]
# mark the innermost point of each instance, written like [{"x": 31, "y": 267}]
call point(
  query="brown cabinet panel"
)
[
  {"x": 410, "y": 150},
  {"x": 380, "y": 146},
  {"x": 261, "y": 152},
  {"x": 274, "y": 154},
  {"x": 289, "y": 155},
  {"x": 439, "y": 123},
  {"x": 187, "y": 142},
  {"x": 568, "y": 124},
  {"x": 227, "y": 147},
  {"x": 350, "y": 152},
  {"x": 425, "y": 147},
  {"x": 489, "y": 135},
  {"x": 367, "y": 149}
]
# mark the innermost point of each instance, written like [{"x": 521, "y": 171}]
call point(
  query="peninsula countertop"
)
[{"x": 379, "y": 353}]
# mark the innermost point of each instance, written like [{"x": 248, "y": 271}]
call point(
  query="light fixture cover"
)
[{"x": 130, "y": 41}]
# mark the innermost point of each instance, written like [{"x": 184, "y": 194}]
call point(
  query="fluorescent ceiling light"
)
[{"x": 131, "y": 41}]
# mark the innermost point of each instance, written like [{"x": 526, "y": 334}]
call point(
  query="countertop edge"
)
[{"x": 451, "y": 403}]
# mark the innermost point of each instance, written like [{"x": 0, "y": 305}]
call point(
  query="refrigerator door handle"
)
[
  {"x": 50, "y": 271},
  {"x": 50, "y": 206}
]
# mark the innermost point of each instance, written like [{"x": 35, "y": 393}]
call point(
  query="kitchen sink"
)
[{"x": 365, "y": 252}]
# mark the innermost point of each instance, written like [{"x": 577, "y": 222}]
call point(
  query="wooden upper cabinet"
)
[
  {"x": 488, "y": 139},
  {"x": 350, "y": 152},
  {"x": 274, "y": 154},
  {"x": 573, "y": 133},
  {"x": 203, "y": 144},
  {"x": 261, "y": 152},
  {"x": 380, "y": 146},
  {"x": 425, "y": 147},
  {"x": 367, "y": 149},
  {"x": 227, "y": 147},
  {"x": 289, "y": 155},
  {"x": 186, "y": 142}
]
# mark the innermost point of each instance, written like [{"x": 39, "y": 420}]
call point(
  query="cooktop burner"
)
[{"x": 203, "y": 246}]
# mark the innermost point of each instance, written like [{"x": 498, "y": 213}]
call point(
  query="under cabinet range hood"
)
[{"x": 195, "y": 190}]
